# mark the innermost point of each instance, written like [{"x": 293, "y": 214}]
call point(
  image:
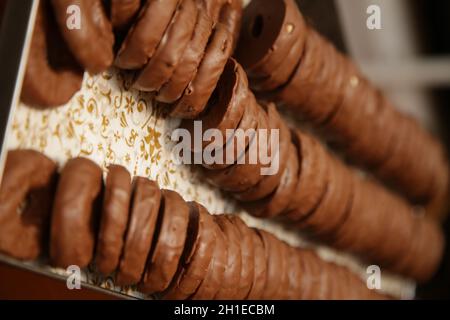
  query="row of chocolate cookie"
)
[
  {"x": 152, "y": 238},
  {"x": 294, "y": 65},
  {"x": 176, "y": 48},
  {"x": 311, "y": 189}
]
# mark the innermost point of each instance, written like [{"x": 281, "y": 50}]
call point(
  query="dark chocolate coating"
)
[
  {"x": 269, "y": 183},
  {"x": 145, "y": 35},
  {"x": 198, "y": 92},
  {"x": 192, "y": 255},
  {"x": 232, "y": 276},
  {"x": 26, "y": 196},
  {"x": 231, "y": 17},
  {"x": 260, "y": 272},
  {"x": 92, "y": 44},
  {"x": 248, "y": 257},
  {"x": 276, "y": 203},
  {"x": 52, "y": 76},
  {"x": 216, "y": 271},
  {"x": 78, "y": 188},
  {"x": 270, "y": 29},
  {"x": 186, "y": 70},
  {"x": 225, "y": 109},
  {"x": 123, "y": 12},
  {"x": 195, "y": 266},
  {"x": 165, "y": 257},
  {"x": 114, "y": 219},
  {"x": 141, "y": 228},
  {"x": 161, "y": 66},
  {"x": 313, "y": 176}
]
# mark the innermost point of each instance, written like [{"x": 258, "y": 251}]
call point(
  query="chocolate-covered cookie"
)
[
  {"x": 282, "y": 73},
  {"x": 214, "y": 278},
  {"x": 335, "y": 204},
  {"x": 92, "y": 43},
  {"x": 161, "y": 66},
  {"x": 272, "y": 205},
  {"x": 186, "y": 70},
  {"x": 260, "y": 263},
  {"x": 231, "y": 17},
  {"x": 240, "y": 139},
  {"x": 199, "y": 90},
  {"x": 274, "y": 263},
  {"x": 230, "y": 285},
  {"x": 269, "y": 30},
  {"x": 52, "y": 75},
  {"x": 246, "y": 172},
  {"x": 194, "y": 265},
  {"x": 114, "y": 219},
  {"x": 225, "y": 109},
  {"x": 270, "y": 182},
  {"x": 168, "y": 247},
  {"x": 123, "y": 12},
  {"x": 313, "y": 176},
  {"x": 26, "y": 195},
  {"x": 296, "y": 92},
  {"x": 145, "y": 206},
  {"x": 74, "y": 213},
  {"x": 145, "y": 35},
  {"x": 248, "y": 257}
]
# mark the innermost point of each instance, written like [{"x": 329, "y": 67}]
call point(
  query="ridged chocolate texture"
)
[
  {"x": 192, "y": 254},
  {"x": 316, "y": 192},
  {"x": 308, "y": 76}
]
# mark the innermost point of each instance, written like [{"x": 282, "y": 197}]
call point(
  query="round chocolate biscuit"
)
[
  {"x": 123, "y": 12},
  {"x": 269, "y": 30},
  {"x": 281, "y": 75},
  {"x": 225, "y": 109},
  {"x": 169, "y": 244},
  {"x": 145, "y": 35},
  {"x": 195, "y": 265},
  {"x": 231, "y": 280},
  {"x": 276, "y": 203},
  {"x": 216, "y": 272},
  {"x": 161, "y": 66},
  {"x": 72, "y": 235},
  {"x": 52, "y": 75},
  {"x": 114, "y": 219},
  {"x": 145, "y": 206},
  {"x": 313, "y": 176},
  {"x": 231, "y": 17},
  {"x": 186, "y": 70},
  {"x": 26, "y": 195},
  {"x": 335, "y": 204},
  {"x": 246, "y": 172},
  {"x": 274, "y": 263},
  {"x": 248, "y": 257},
  {"x": 269, "y": 183},
  {"x": 244, "y": 134},
  {"x": 260, "y": 271},
  {"x": 296, "y": 92},
  {"x": 200, "y": 89},
  {"x": 92, "y": 43}
]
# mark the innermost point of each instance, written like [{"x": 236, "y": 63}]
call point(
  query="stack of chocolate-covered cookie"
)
[
  {"x": 152, "y": 238},
  {"x": 174, "y": 48},
  {"x": 311, "y": 189},
  {"x": 289, "y": 62}
]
